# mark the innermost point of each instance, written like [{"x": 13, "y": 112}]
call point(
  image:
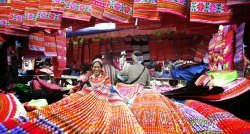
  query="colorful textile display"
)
[
  {"x": 127, "y": 91},
  {"x": 157, "y": 114},
  {"x": 123, "y": 119},
  {"x": 50, "y": 45},
  {"x": 177, "y": 7},
  {"x": 10, "y": 107},
  {"x": 210, "y": 11},
  {"x": 78, "y": 10},
  {"x": 197, "y": 120},
  {"x": 119, "y": 10},
  {"x": 36, "y": 41},
  {"x": 224, "y": 120},
  {"x": 58, "y": 5},
  {"x": 17, "y": 16},
  {"x": 214, "y": 49},
  {"x": 146, "y": 9},
  {"x": 231, "y": 90},
  {"x": 239, "y": 49},
  {"x": 97, "y": 8},
  {"x": 59, "y": 62},
  {"x": 30, "y": 13}
]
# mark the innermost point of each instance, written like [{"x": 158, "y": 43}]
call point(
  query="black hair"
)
[{"x": 137, "y": 53}]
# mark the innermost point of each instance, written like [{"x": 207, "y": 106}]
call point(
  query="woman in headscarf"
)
[
  {"x": 96, "y": 78},
  {"x": 137, "y": 73}
]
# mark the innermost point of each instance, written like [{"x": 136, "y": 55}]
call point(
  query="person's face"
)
[{"x": 97, "y": 69}]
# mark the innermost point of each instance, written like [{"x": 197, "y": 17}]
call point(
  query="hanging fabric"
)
[
  {"x": 58, "y": 5},
  {"x": 4, "y": 17},
  {"x": 119, "y": 10},
  {"x": 80, "y": 53},
  {"x": 46, "y": 18},
  {"x": 210, "y": 11},
  {"x": 17, "y": 16},
  {"x": 50, "y": 45},
  {"x": 30, "y": 13},
  {"x": 176, "y": 7},
  {"x": 239, "y": 49},
  {"x": 36, "y": 41},
  {"x": 153, "y": 47},
  {"x": 97, "y": 8},
  {"x": 146, "y": 10},
  {"x": 77, "y": 10},
  {"x": 86, "y": 52},
  {"x": 228, "y": 49}
]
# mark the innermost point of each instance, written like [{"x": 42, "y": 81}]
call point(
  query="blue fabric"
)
[{"x": 188, "y": 73}]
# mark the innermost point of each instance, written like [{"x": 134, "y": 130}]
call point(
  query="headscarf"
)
[{"x": 97, "y": 60}]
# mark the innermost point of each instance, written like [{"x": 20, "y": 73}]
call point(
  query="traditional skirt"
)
[
  {"x": 199, "y": 123},
  {"x": 157, "y": 114},
  {"x": 10, "y": 107},
  {"x": 224, "y": 120}
]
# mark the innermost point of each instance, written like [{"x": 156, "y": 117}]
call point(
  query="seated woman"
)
[{"x": 96, "y": 78}]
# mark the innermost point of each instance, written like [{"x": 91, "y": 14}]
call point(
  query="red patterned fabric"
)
[
  {"x": 78, "y": 10},
  {"x": 128, "y": 91},
  {"x": 210, "y": 11},
  {"x": 80, "y": 53},
  {"x": 46, "y": 18},
  {"x": 61, "y": 51},
  {"x": 17, "y": 16},
  {"x": 10, "y": 107},
  {"x": 58, "y": 5},
  {"x": 118, "y": 10},
  {"x": 231, "y": 90},
  {"x": 50, "y": 45},
  {"x": 224, "y": 120},
  {"x": 36, "y": 42},
  {"x": 4, "y": 17},
  {"x": 176, "y": 7},
  {"x": 30, "y": 13},
  {"x": 97, "y": 8},
  {"x": 153, "y": 47},
  {"x": 86, "y": 53},
  {"x": 146, "y": 10}
]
